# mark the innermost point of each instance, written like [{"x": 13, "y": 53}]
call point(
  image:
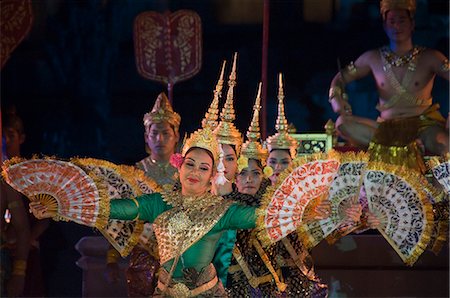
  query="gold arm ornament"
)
[{"x": 336, "y": 91}]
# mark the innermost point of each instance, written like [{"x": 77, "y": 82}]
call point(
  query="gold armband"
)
[
  {"x": 336, "y": 91},
  {"x": 19, "y": 267},
  {"x": 112, "y": 256},
  {"x": 445, "y": 65}
]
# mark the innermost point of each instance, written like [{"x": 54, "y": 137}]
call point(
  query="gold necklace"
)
[
  {"x": 176, "y": 199},
  {"x": 395, "y": 60}
]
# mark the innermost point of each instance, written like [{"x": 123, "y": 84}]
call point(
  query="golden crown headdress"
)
[
  {"x": 252, "y": 148},
  {"x": 212, "y": 114},
  {"x": 162, "y": 111},
  {"x": 202, "y": 138},
  {"x": 386, "y": 5},
  {"x": 226, "y": 132},
  {"x": 282, "y": 139}
]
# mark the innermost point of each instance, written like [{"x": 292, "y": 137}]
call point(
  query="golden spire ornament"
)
[
  {"x": 282, "y": 139},
  {"x": 252, "y": 148},
  {"x": 212, "y": 114},
  {"x": 226, "y": 132}
]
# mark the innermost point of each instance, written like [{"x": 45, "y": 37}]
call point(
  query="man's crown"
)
[
  {"x": 386, "y": 5},
  {"x": 162, "y": 111}
]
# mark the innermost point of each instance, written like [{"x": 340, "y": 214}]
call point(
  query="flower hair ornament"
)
[{"x": 176, "y": 160}]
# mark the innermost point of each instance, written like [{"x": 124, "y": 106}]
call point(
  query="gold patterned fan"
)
[
  {"x": 286, "y": 206},
  {"x": 344, "y": 192},
  {"x": 61, "y": 186},
  {"x": 120, "y": 181},
  {"x": 397, "y": 198}
]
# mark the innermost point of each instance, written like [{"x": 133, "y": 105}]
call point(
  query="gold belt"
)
[
  {"x": 254, "y": 281},
  {"x": 181, "y": 290}
]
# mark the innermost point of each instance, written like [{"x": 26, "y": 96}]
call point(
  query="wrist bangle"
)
[
  {"x": 334, "y": 91},
  {"x": 137, "y": 206}
]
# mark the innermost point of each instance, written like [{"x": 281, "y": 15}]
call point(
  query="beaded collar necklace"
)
[{"x": 396, "y": 60}]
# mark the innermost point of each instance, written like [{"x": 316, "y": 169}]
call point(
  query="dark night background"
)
[{"x": 74, "y": 80}]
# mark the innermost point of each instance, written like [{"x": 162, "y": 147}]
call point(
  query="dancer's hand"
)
[
  {"x": 354, "y": 212},
  {"x": 372, "y": 221},
  {"x": 221, "y": 190},
  {"x": 40, "y": 211},
  {"x": 323, "y": 210}
]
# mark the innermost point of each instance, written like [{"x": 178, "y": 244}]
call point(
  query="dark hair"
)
[
  {"x": 207, "y": 151},
  {"x": 258, "y": 162},
  {"x": 285, "y": 150},
  {"x": 233, "y": 147}
]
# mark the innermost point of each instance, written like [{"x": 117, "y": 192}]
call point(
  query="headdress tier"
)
[{"x": 162, "y": 111}]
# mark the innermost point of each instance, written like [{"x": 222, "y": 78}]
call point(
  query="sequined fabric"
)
[
  {"x": 298, "y": 285},
  {"x": 188, "y": 221},
  {"x": 142, "y": 273},
  {"x": 394, "y": 141},
  {"x": 193, "y": 279}
]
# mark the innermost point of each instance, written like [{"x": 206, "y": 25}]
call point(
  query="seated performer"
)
[{"x": 404, "y": 74}]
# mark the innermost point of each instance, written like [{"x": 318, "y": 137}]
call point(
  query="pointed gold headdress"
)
[
  {"x": 162, "y": 111},
  {"x": 282, "y": 139},
  {"x": 252, "y": 148},
  {"x": 202, "y": 138},
  {"x": 386, "y": 5},
  {"x": 213, "y": 111},
  {"x": 226, "y": 132}
]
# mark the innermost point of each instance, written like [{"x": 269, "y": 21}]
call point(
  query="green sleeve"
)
[
  {"x": 150, "y": 206},
  {"x": 222, "y": 256},
  {"x": 237, "y": 217}
]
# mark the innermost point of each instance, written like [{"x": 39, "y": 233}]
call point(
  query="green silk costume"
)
[{"x": 201, "y": 252}]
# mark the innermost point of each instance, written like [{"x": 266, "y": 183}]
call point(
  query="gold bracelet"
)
[
  {"x": 137, "y": 205},
  {"x": 333, "y": 92},
  {"x": 19, "y": 267},
  {"x": 112, "y": 256},
  {"x": 337, "y": 92}
]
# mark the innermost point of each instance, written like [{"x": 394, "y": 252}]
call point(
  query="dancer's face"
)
[
  {"x": 249, "y": 179},
  {"x": 279, "y": 160},
  {"x": 196, "y": 172},
  {"x": 229, "y": 161},
  {"x": 398, "y": 25}
]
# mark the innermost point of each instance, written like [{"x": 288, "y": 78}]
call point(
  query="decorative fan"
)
[
  {"x": 61, "y": 186},
  {"x": 344, "y": 191},
  {"x": 396, "y": 197},
  {"x": 121, "y": 181},
  {"x": 286, "y": 205},
  {"x": 441, "y": 171}
]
